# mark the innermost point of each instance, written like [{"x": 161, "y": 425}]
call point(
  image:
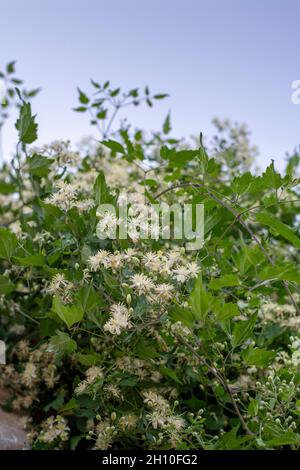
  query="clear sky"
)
[{"x": 226, "y": 58}]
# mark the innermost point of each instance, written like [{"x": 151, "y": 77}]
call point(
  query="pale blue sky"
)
[{"x": 226, "y": 58}]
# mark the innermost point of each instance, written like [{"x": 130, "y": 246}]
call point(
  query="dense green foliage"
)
[{"x": 140, "y": 343}]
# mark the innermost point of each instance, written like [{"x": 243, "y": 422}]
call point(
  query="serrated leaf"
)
[
  {"x": 26, "y": 125},
  {"x": 39, "y": 165},
  {"x": 282, "y": 229},
  {"x": 258, "y": 357},
  {"x": 89, "y": 298},
  {"x": 61, "y": 344},
  {"x": 69, "y": 314},
  {"x": 225, "y": 311},
  {"x": 242, "y": 331},
  {"x": 241, "y": 184}
]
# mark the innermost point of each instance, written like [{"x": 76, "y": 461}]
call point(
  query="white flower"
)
[
  {"x": 119, "y": 319},
  {"x": 181, "y": 274},
  {"x": 107, "y": 226},
  {"x": 128, "y": 421},
  {"x": 164, "y": 291},
  {"x": 54, "y": 428},
  {"x": 154, "y": 262},
  {"x": 174, "y": 257},
  {"x": 129, "y": 253},
  {"x": 101, "y": 258},
  {"x": 154, "y": 401},
  {"x": 64, "y": 198},
  {"x": 93, "y": 373},
  {"x": 142, "y": 283},
  {"x": 61, "y": 287},
  {"x": 116, "y": 261},
  {"x": 16, "y": 228},
  {"x": 29, "y": 375},
  {"x": 193, "y": 269},
  {"x": 176, "y": 422},
  {"x": 84, "y": 205}
]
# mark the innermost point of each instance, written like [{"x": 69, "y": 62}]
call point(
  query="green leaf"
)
[
  {"x": 253, "y": 407},
  {"x": 56, "y": 403},
  {"x": 279, "y": 227},
  {"x": 115, "y": 92},
  {"x": 8, "y": 243},
  {"x": 184, "y": 315},
  {"x": 69, "y": 314},
  {"x": 10, "y": 67},
  {"x": 167, "y": 372},
  {"x": 7, "y": 188},
  {"x": 258, "y": 357},
  {"x": 82, "y": 97},
  {"x": 102, "y": 195},
  {"x": 39, "y": 165},
  {"x": 271, "y": 178},
  {"x": 145, "y": 349},
  {"x": 228, "y": 280},
  {"x": 284, "y": 272},
  {"x": 242, "y": 331},
  {"x": 225, "y": 311},
  {"x": 203, "y": 159},
  {"x": 89, "y": 298},
  {"x": 6, "y": 287},
  {"x": 167, "y": 124},
  {"x": 88, "y": 360},
  {"x": 114, "y": 146},
  {"x": 80, "y": 109},
  {"x": 26, "y": 125},
  {"x": 180, "y": 158},
  {"x": 160, "y": 96},
  {"x": 61, "y": 344},
  {"x": 241, "y": 184},
  {"x": 200, "y": 300},
  {"x": 31, "y": 260},
  {"x": 230, "y": 441},
  {"x": 75, "y": 441},
  {"x": 286, "y": 438},
  {"x": 280, "y": 436}
]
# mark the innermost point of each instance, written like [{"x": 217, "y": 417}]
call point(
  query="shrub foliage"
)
[{"x": 140, "y": 343}]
